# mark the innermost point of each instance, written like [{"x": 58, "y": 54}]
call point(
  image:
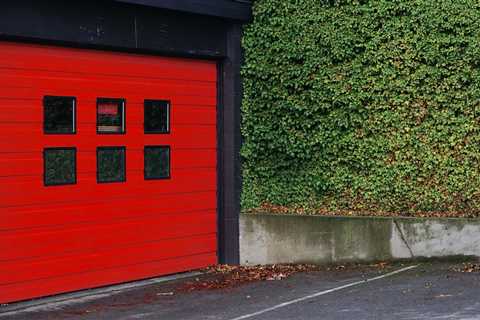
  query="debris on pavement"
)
[
  {"x": 467, "y": 267},
  {"x": 227, "y": 276}
]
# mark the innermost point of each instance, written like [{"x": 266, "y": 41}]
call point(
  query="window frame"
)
[
  {"x": 169, "y": 113},
  {"x": 45, "y": 150},
  {"x": 124, "y": 149},
  {"x": 74, "y": 115},
  {"x": 169, "y": 176},
  {"x": 124, "y": 114}
]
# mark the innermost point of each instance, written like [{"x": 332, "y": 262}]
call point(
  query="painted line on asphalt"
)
[{"x": 321, "y": 293}]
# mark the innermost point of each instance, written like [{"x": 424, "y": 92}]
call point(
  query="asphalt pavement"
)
[{"x": 401, "y": 291}]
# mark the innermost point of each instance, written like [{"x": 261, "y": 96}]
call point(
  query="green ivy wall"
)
[{"x": 368, "y": 106}]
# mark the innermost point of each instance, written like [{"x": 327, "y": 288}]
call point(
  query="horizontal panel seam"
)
[
  {"x": 112, "y": 268},
  {"x": 97, "y": 250},
  {"x": 119, "y": 198},
  {"x": 92, "y": 222}
]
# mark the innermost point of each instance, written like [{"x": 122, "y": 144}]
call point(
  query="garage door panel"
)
[
  {"x": 180, "y": 181},
  {"x": 50, "y": 215},
  {"x": 43, "y": 76},
  {"x": 31, "y": 164},
  {"x": 22, "y": 95},
  {"x": 20, "y": 112},
  {"x": 180, "y": 69},
  {"x": 31, "y": 98},
  {"x": 64, "y": 237},
  {"x": 91, "y": 62},
  {"x": 29, "y": 270},
  {"x": 32, "y": 139},
  {"x": 77, "y": 281},
  {"x": 45, "y": 243},
  {"x": 21, "y": 164},
  {"x": 176, "y": 144},
  {"x": 107, "y": 87},
  {"x": 87, "y": 186},
  {"x": 34, "y": 130}
]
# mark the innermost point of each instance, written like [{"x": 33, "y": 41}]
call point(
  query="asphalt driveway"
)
[{"x": 400, "y": 291}]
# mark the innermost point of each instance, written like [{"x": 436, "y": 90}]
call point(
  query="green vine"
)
[{"x": 362, "y": 105}]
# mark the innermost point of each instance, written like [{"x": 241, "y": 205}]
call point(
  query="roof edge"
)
[{"x": 228, "y": 9}]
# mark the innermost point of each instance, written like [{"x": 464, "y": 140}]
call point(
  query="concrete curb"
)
[{"x": 269, "y": 239}]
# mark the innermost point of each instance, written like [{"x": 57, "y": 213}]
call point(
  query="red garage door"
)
[{"x": 107, "y": 168}]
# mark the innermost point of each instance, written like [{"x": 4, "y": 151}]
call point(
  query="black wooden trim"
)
[
  {"x": 113, "y": 25},
  {"x": 228, "y": 9},
  {"x": 220, "y": 187},
  {"x": 229, "y": 149}
]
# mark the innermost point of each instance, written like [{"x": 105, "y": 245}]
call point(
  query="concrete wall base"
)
[{"x": 270, "y": 239}]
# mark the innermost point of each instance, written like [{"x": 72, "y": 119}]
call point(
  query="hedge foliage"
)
[{"x": 369, "y": 105}]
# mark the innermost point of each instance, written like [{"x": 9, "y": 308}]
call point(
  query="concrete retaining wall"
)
[{"x": 268, "y": 239}]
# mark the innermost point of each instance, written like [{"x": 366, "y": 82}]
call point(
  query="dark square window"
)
[
  {"x": 110, "y": 115},
  {"x": 157, "y": 162},
  {"x": 111, "y": 164},
  {"x": 59, "y": 115},
  {"x": 156, "y": 116},
  {"x": 59, "y": 165}
]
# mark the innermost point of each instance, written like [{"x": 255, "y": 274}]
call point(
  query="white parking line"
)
[{"x": 321, "y": 293}]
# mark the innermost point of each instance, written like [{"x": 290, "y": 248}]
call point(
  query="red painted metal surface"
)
[{"x": 64, "y": 238}]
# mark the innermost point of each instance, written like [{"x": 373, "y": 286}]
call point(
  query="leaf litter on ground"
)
[
  {"x": 467, "y": 267},
  {"x": 268, "y": 208},
  {"x": 227, "y": 276}
]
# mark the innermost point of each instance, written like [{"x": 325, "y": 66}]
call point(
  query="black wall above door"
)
[{"x": 115, "y": 24}]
